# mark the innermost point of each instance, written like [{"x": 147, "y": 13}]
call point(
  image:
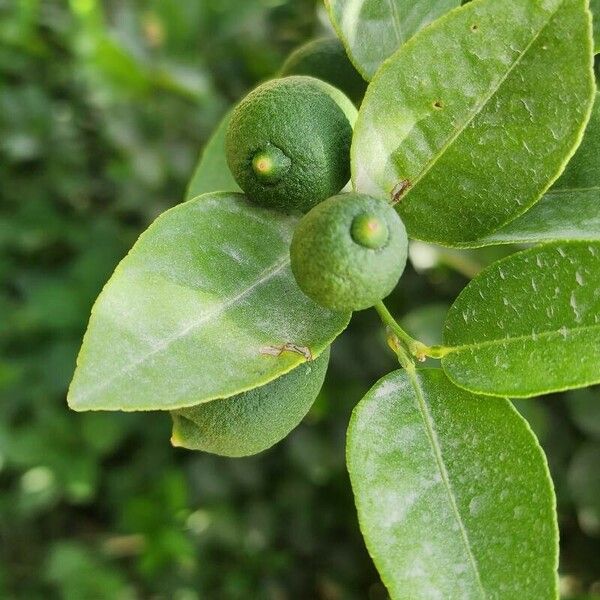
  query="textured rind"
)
[
  {"x": 529, "y": 324},
  {"x": 482, "y": 139},
  {"x": 372, "y": 30},
  {"x": 198, "y": 310},
  {"x": 453, "y": 493},
  {"x": 308, "y": 121},
  {"x": 325, "y": 58},
  {"x": 251, "y": 422},
  {"x": 332, "y": 268}
]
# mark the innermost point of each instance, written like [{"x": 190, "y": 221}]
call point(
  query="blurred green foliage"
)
[{"x": 103, "y": 109}]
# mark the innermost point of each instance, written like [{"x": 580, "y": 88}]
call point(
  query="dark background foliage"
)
[{"x": 103, "y": 110}]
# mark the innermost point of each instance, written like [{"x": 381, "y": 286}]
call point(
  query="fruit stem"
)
[{"x": 416, "y": 348}]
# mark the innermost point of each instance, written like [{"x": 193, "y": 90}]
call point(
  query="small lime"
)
[
  {"x": 252, "y": 421},
  {"x": 288, "y": 143},
  {"x": 325, "y": 58},
  {"x": 349, "y": 252}
]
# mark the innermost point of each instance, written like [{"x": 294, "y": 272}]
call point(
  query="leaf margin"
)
[
  {"x": 412, "y": 374},
  {"x": 84, "y": 350},
  {"x": 593, "y": 91},
  {"x": 449, "y": 350}
]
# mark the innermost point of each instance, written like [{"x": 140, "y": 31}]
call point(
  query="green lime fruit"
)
[
  {"x": 325, "y": 58},
  {"x": 253, "y": 421},
  {"x": 349, "y": 252},
  {"x": 288, "y": 143}
]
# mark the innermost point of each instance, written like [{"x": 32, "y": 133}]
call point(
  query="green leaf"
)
[
  {"x": 595, "y": 6},
  {"x": 561, "y": 215},
  {"x": 204, "y": 306},
  {"x": 453, "y": 492},
  {"x": 476, "y": 116},
  {"x": 528, "y": 324},
  {"x": 253, "y": 421},
  {"x": 583, "y": 171},
  {"x": 212, "y": 172},
  {"x": 372, "y": 30},
  {"x": 571, "y": 209}
]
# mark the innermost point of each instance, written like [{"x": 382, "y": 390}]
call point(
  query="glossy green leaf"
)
[
  {"x": 538, "y": 414},
  {"x": 253, "y": 421},
  {"x": 571, "y": 209},
  {"x": 583, "y": 171},
  {"x": 212, "y": 173},
  {"x": 467, "y": 148},
  {"x": 595, "y": 6},
  {"x": 204, "y": 306},
  {"x": 559, "y": 215},
  {"x": 372, "y": 30},
  {"x": 453, "y": 492},
  {"x": 528, "y": 324}
]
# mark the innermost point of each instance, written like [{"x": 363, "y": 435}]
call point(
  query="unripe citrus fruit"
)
[
  {"x": 349, "y": 252},
  {"x": 252, "y": 421},
  {"x": 288, "y": 143},
  {"x": 325, "y": 58}
]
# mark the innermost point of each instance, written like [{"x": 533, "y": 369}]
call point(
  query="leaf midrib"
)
[
  {"x": 437, "y": 451},
  {"x": 396, "y": 21},
  {"x": 265, "y": 276},
  {"x": 479, "y": 107},
  {"x": 521, "y": 338}
]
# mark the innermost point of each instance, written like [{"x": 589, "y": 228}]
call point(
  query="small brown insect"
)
[
  {"x": 287, "y": 347},
  {"x": 400, "y": 189}
]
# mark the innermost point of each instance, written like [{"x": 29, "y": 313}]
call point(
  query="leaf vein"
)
[
  {"x": 396, "y": 21},
  {"x": 265, "y": 276},
  {"x": 479, "y": 107},
  {"x": 522, "y": 338},
  {"x": 437, "y": 451}
]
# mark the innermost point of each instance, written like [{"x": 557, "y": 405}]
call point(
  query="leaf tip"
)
[{"x": 73, "y": 403}]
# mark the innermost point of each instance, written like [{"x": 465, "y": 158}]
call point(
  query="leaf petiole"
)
[{"x": 416, "y": 348}]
